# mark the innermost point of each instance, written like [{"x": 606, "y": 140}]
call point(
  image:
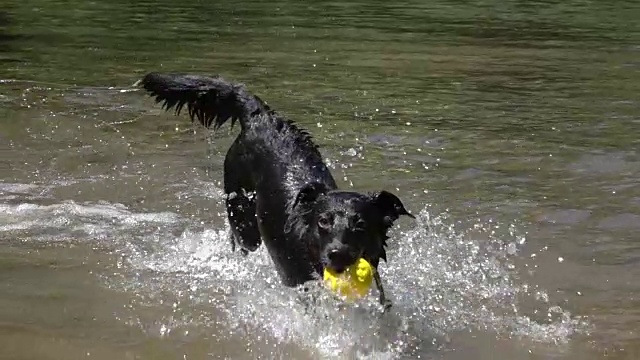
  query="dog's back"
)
[
  {"x": 264, "y": 169},
  {"x": 268, "y": 144},
  {"x": 274, "y": 159}
]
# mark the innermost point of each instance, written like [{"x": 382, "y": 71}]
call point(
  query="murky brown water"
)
[{"x": 511, "y": 127}]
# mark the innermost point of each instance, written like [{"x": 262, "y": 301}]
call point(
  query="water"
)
[{"x": 510, "y": 128}]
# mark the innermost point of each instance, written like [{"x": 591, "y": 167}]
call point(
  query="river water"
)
[{"x": 510, "y": 127}]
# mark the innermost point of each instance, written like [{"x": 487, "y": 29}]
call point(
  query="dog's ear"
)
[
  {"x": 296, "y": 221},
  {"x": 390, "y": 206},
  {"x": 309, "y": 193}
]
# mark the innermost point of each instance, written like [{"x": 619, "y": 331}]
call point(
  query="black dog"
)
[{"x": 278, "y": 189}]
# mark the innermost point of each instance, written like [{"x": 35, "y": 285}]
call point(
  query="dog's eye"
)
[
  {"x": 324, "y": 222},
  {"x": 360, "y": 225}
]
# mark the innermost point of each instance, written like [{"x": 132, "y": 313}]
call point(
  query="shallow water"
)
[{"x": 510, "y": 129}]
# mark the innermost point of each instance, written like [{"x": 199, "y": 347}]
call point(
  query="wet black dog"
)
[{"x": 278, "y": 188}]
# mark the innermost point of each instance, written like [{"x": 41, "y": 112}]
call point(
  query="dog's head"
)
[{"x": 344, "y": 226}]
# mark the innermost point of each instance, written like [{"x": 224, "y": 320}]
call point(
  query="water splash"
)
[
  {"x": 468, "y": 279},
  {"x": 447, "y": 281},
  {"x": 441, "y": 280}
]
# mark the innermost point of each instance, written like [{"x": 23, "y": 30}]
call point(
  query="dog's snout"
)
[
  {"x": 334, "y": 255},
  {"x": 339, "y": 259}
]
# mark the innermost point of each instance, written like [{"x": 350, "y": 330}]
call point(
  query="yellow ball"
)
[{"x": 353, "y": 283}]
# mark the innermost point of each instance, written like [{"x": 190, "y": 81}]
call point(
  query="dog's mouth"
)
[
  {"x": 339, "y": 262},
  {"x": 338, "y": 269}
]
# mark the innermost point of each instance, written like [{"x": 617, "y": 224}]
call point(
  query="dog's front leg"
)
[
  {"x": 386, "y": 303},
  {"x": 234, "y": 243}
]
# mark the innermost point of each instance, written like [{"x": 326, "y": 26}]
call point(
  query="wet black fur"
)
[{"x": 278, "y": 188}]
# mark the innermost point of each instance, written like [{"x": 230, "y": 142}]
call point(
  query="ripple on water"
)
[
  {"x": 625, "y": 221},
  {"x": 564, "y": 216},
  {"x": 605, "y": 163}
]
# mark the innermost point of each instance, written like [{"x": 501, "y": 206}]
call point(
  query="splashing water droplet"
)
[{"x": 441, "y": 280}]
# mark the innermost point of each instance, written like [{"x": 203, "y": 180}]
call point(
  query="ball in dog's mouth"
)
[{"x": 352, "y": 282}]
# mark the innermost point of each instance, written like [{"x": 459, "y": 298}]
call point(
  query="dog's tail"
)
[{"x": 210, "y": 100}]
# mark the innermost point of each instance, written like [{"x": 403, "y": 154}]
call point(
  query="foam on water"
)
[
  {"x": 69, "y": 220},
  {"x": 441, "y": 280},
  {"x": 73, "y": 220}
]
